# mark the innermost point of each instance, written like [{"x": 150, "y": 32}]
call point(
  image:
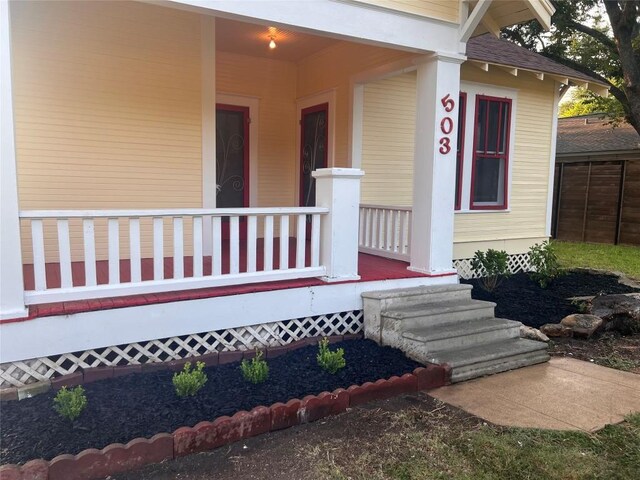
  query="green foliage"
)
[
  {"x": 580, "y": 305},
  {"x": 585, "y": 102},
  {"x": 328, "y": 360},
  {"x": 70, "y": 403},
  {"x": 494, "y": 265},
  {"x": 188, "y": 382},
  {"x": 545, "y": 264},
  {"x": 256, "y": 370}
]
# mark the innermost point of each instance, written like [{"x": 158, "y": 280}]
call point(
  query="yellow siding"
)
[
  {"x": 333, "y": 67},
  {"x": 388, "y": 156},
  {"x": 448, "y": 10},
  {"x": 274, "y": 84}
]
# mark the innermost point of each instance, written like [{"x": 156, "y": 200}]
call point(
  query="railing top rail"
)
[
  {"x": 176, "y": 212},
  {"x": 387, "y": 207}
]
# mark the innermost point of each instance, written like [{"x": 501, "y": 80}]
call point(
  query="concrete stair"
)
[{"x": 443, "y": 324}]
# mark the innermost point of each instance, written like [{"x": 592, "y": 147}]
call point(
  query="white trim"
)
[
  {"x": 552, "y": 158},
  {"x": 253, "y": 103},
  {"x": 356, "y": 122},
  {"x": 83, "y": 331},
  {"x": 11, "y": 281},
  {"x": 208, "y": 59},
  {"x": 171, "y": 212},
  {"x": 472, "y": 89},
  {"x": 337, "y": 19},
  {"x": 473, "y": 19}
]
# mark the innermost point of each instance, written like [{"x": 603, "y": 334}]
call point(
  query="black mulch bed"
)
[
  {"x": 520, "y": 298},
  {"x": 141, "y": 405}
]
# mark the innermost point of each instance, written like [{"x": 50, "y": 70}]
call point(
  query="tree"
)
[{"x": 600, "y": 38}]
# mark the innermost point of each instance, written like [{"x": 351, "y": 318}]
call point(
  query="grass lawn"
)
[
  {"x": 620, "y": 258},
  {"x": 419, "y": 446}
]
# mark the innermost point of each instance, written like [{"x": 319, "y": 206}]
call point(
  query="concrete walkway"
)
[{"x": 562, "y": 394}]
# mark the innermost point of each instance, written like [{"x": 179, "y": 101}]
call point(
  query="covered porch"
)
[{"x": 143, "y": 181}]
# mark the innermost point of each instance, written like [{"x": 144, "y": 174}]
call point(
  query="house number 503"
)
[{"x": 446, "y": 125}]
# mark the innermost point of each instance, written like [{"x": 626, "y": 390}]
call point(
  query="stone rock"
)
[
  {"x": 532, "y": 334},
  {"x": 620, "y": 312},
  {"x": 582, "y": 324},
  {"x": 556, "y": 330}
]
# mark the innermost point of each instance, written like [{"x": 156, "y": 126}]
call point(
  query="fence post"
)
[{"x": 338, "y": 189}]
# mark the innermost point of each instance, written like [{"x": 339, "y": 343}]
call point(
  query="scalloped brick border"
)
[{"x": 116, "y": 458}]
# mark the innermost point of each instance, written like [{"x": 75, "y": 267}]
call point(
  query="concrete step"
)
[
  {"x": 489, "y": 358},
  {"x": 463, "y": 334},
  {"x": 438, "y": 313},
  {"x": 402, "y": 297}
]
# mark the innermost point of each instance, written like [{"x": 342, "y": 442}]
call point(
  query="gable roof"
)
[
  {"x": 593, "y": 133},
  {"x": 489, "y": 49}
]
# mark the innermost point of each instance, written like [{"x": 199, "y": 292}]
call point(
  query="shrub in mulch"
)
[
  {"x": 143, "y": 404},
  {"x": 520, "y": 298}
]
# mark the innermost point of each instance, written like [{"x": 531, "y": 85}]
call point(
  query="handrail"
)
[{"x": 174, "y": 212}]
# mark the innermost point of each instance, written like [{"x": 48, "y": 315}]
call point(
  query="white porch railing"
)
[
  {"x": 233, "y": 250},
  {"x": 385, "y": 231}
]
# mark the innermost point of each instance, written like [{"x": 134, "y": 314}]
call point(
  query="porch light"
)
[{"x": 272, "y": 43}]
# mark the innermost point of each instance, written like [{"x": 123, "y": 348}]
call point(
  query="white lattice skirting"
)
[
  {"x": 174, "y": 348},
  {"x": 518, "y": 262}
]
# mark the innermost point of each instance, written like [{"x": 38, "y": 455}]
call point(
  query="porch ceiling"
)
[{"x": 253, "y": 40}]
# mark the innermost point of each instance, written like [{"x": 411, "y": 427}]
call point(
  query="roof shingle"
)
[{"x": 593, "y": 133}]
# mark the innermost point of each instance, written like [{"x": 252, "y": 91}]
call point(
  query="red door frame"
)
[
  {"x": 246, "y": 170},
  {"x": 305, "y": 111}
]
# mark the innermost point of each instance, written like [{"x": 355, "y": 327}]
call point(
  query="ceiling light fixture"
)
[{"x": 272, "y": 43}]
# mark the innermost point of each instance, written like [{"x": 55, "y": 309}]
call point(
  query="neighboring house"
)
[
  {"x": 171, "y": 185},
  {"x": 597, "y": 181}
]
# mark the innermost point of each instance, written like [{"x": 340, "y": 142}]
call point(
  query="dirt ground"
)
[
  {"x": 609, "y": 349},
  {"x": 290, "y": 454}
]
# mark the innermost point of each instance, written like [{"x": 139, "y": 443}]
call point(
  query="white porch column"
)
[
  {"x": 338, "y": 189},
  {"x": 434, "y": 168},
  {"x": 208, "y": 91},
  {"x": 11, "y": 281}
]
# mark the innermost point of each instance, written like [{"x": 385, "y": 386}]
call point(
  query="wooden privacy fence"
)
[{"x": 597, "y": 200}]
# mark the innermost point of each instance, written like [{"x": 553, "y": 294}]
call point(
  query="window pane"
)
[
  {"x": 504, "y": 127},
  {"x": 494, "y": 122},
  {"x": 489, "y": 181},
  {"x": 481, "y": 125}
]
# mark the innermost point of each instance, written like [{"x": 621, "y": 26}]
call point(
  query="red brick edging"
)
[{"x": 116, "y": 458}]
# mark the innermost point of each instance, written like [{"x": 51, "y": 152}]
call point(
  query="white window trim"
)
[
  {"x": 253, "y": 103},
  {"x": 328, "y": 97},
  {"x": 472, "y": 89}
]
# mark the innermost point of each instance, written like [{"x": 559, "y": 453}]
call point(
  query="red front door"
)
[{"x": 232, "y": 161}]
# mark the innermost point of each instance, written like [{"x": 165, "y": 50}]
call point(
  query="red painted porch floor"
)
[{"x": 370, "y": 268}]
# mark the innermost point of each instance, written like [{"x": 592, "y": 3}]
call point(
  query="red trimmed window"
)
[
  {"x": 490, "y": 168},
  {"x": 462, "y": 110}
]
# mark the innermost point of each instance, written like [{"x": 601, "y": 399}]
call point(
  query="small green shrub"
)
[
  {"x": 188, "y": 382},
  {"x": 256, "y": 370},
  {"x": 580, "y": 305},
  {"x": 70, "y": 403},
  {"x": 330, "y": 361},
  {"x": 494, "y": 265},
  {"x": 544, "y": 263}
]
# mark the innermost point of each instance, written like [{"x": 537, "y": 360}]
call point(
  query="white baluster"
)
[
  {"x": 88, "y": 236},
  {"x": 64, "y": 250},
  {"x": 252, "y": 233},
  {"x": 178, "y": 247},
  {"x": 216, "y": 255},
  {"x": 268, "y": 243},
  {"x": 158, "y": 248},
  {"x": 114, "y": 251},
  {"x": 39, "y": 262},
  {"x": 300, "y": 240},
  {"x": 284, "y": 242},
  {"x": 197, "y": 246},
  {"x": 315, "y": 240},
  {"x": 134, "y": 250},
  {"x": 234, "y": 245}
]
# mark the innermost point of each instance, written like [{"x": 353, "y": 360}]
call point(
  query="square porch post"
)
[
  {"x": 338, "y": 189},
  {"x": 434, "y": 167},
  {"x": 11, "y": 280}
]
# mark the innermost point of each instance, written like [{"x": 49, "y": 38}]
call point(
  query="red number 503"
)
[
  {"x": 445, "y": 146},
  {"x": 448, "y": 103}
]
